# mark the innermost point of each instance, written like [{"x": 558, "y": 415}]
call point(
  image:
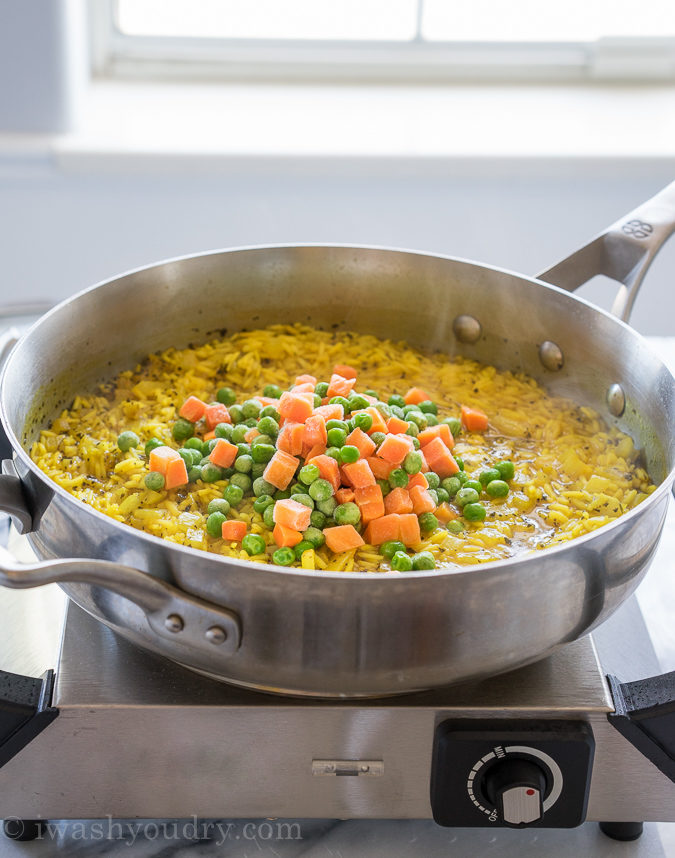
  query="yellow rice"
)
[{"x": 573, "y": 473}]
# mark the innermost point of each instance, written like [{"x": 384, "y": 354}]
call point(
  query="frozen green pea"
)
[
  {"x": 190, "y": 456},
  {"x": 182, "y": 429},
  {"x": 272, "y": 391},
  {"x": 432, "y": 420},
  {"x": 268, "y": 426},
  {"x": 488, "y": 475},
  {"x": 226, "y": 395},
  {"x": 473, "y": 484},
  {"x": 243, "y": 481},
  {"x": 401, "y": 562},
  {"x": 236, "y": 414},
  {"x": 318, "y": 519},
  {"x": 460, "y": 462},
  {"x": 506, "y": 469},
  {"x": 384, "y": 485},
  {"x": 442, "y": 495},
  {"x": 455, "y": 526},
  {"x": 251, "y": 408},
  {"x": 282, "y": 494},
  {"x": 321, "y": 389},
  {"x": 314, "y": 536},
  {"x": 153, "y": 444},
  {"x": 258, "y": 470},
  {"x": 262, "y": 487},
  {"x": 327, "y": 507},
  {"x": 308, "y": 474},
  {"x": 451, "y": 485},
  {"x": 194, "y": 473},
  {"x": 423, "y": 560},
  {"x": 127, "y": 440},
  {"x": 396, "y": 399},
  {"x": 398, "y": 478},
  {"x": 433, "y": 494},
  {"x": 261, "y": 503},
  {"x": 412, "y": 463},
  {"x": 412, "y": 430},
  {"x": 453, "y": 424},
  {"x": 428, "y": 407},
  {"x": 377, "y": 438},
  {"x": 224, "y": 430},
  {"x": 347, "y": 513},
  {"x": 214, "y": 524},
  {"x": 301, "y": 547},
  {"x": 304, "y": 499},
  {"x": 396, "y": 411},
  {"x": 428, "y": 521},
  {"x": 233, "y": 494},
  {"x": 262, "y": 453},
  {"x": 334, "y": 453},
  {"x": 154, "y": 481},
  {"x": 268, "y": 516},
  {"x": 321, "y": 490},
  {"x": 238, "y": 433},
  {"x": 497, "y": 488},
  {"x": 336, "y": 424},
  {"x": 211, "y": 473},
  {"x": 433, "y": 480},
  {"x": 466, "y": 496},
  {"x": 363, "y": 421},
  {"x": 253, "y": 544},
  {"x": 218, "y": 505},
  {"x": 389, "y": 548},
  {"x": 243, "y": 464},
  {"x": 474, "y": 512},
  {"x": 349, "y": 454},
  {"x": 283, "y": 556},
  {"x": 336, "y": 437}
]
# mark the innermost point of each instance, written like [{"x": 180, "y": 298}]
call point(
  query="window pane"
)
[
  {"x": 270, "y": 19},
  {"x": 538, "y": 20}
]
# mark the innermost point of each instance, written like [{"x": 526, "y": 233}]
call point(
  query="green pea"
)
[
  {"x": 497, "y": 488},
  {"x": 298, "y": 489},
  {"x": 268, "y": 426},
  {"x": 282, "y": 494},
  {"x": 233, "y": 494},
  {"x": 398, "y": 478},
  {"x": 270, "y": 411},
  {"x": 251, "y": 408},
  {"x": 238, "y": 434},
  {"x": 428, "y": 407},
  {"x": 261, "y": 503},
  {"x": 218, "y": 505},
  {"x": 243, "y": 449},
  {"x": 262, "y": 487},
  {"x": 243, "y": 464},
  {"x": 455, "y": 526},
  {"x": 305, "y": 500},
  {"x": 349, "y": 454},
  {"x": 341, "y": 400},
  {"x": 466, "y": 496},
  {"x": 347, "y": 513},
  {"x": 432, "y": 420},
  {"x": 244, "y": 482},
  {"x": 182, "y": 429},
  {"x": 214, "y": 524},
  {"x": 194, "y": 473},
  {"x": 327, "y": 507},
  {"x": 317, "y": 400},
  {"x": 314, "y": 536},
  {"x": 321, "y": 389},
  {"x": 207, "y": 446},
  {"x": 251, "y": 422},
  {"x": 272, "y": 391},
  {"x": 412, "y": 430},
  {"x": 153, "y": 444},
  {"x": 224, "y": 430},
  {"x": 372, "y": 393},
  {"x": 384, "y": 409},
  {"x": 358, "y": 402},
  {"x": 363, "y": 421},
  {"x": 423, "y": 560},
  {"x": 308, "y": 474},
  {"x": 127, "y": 440},
  {"x": 487, "y": 476},
  {"x": 389, "y": 548},
  {"x": 189, "y": 456},
  {"x": 442, "y": 495},
  {"x": 334, "y": 453},
  {"x": 258, "y": 470},
  {"x": 433, "y": 494},
  {"x": 462, "y": 476},
  {"x": 397, "y": 400},
  {"x": 416, "y": 443},
  {"x": 506, "y": 469},
  {"x": 154, "y": 481},
  {"x": 418, "y": 419},
  {"x": 474, "y": 512},
  {"x": 226, "y": 395},
  {"x": 384, "y": 485},
  {"x": 283, "y": 556},
  {"x": 268, "y": 516},
  {"x": 253, "y": 544},
  {"x": 337, "y": 424},
  {"x": 397, "y": 412},
  {"x": 317, "y": 519},
  {"x": 460, "y": 463},
  {"x": 428, "y": 521},
  {"x": 377, "y": 438},
  {"x": 262, "y": 439},
  {"x": 262, "y": 453},
  {"x": 454, "y": 425},
  {"x": 401, "y": 562},
  {"x": 336, "y": 437},
  {"x": 321, "y": 490},
  {"x": 236, "y": 414},
  {"x": 412, "y": 464},
  {"x": 433, "y": 480},
  {"x": 473, "y": 484},
  {"x": 451, "y": 485},
  {"x": 301, "y": 547},
  {"x": 211, "y": 473}
]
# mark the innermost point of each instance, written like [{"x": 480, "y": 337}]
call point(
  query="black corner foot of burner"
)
[
  {"x": 622, "y": 830},
  {"x": 23, "y": 829}
]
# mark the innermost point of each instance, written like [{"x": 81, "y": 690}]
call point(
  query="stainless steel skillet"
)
[{"x": 347, "y": 634}]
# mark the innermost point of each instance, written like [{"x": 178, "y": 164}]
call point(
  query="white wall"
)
[{"x": 63, "y": 230}]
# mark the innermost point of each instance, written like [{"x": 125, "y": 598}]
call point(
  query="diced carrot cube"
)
[
  {"x": 383, "y": 529},
  {"x": 370, "y": 501},
  {"x": 439, "y": 458},
  {"x": 306, "y": 379},
  {"x": 344, "y": 370},
  {"x": 395, "y": 448},
  {"x": 397, "y": 426},
  {"x": 417, "y": 480},
  {"x": 398, "y": 501},
  {"x": 372, "y": 511},
  {"x": 342, "y": 538},
  {"x": 421, "y": 500},
  {"x": 296, "y": 406},
  {"x": 290, "y": 438},
  {"x": 473, "y": 419},
  {"x": 415, "y": 395},
  {"x": 160, "y": 458},
  {"x": 368, "y": 494},
  {"x": 176, "y": 474},
  {"x": 313, "y": 452},
  {"x": 281, "y": 469},
  {"x": 286, "y": 536},
  {"x": 339, "y": 386},
  {"x": 223, "y": 454},
  {"x": 379, "y": 423},
  {"x": 328, "y": 469},
  {"x": 445, "y": 513},
  {"x": 209, "y": 436},
  {"x": 303, "y": 387},
  {"x": 216, "y": 413},
  {"x": 344, "y": 495},
  {"x": 251, "y": 434},
  {"x": 442, "y": 431},
  {"x": 233, "y": 530},
  {"x": 409, "y": 529},
  {"x": 315, "y": 431},
  {"x": 358, "y": 438},
  {"x": 192, "y": 409},
  {"x": 380, "y": 467},
  {"x": 330, "y": 412},
  {"x": 268, "y": 400},
  {"x": 358, "y": 474},
  {"x": 290, "y": 513}
]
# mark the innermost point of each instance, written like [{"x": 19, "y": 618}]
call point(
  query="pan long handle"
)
[{"x": 624, "y": 251}]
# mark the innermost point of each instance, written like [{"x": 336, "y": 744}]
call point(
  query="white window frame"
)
[{"x": 118, "y": 56}]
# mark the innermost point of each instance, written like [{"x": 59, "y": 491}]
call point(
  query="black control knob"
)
[{"x": 515, "y": 787}]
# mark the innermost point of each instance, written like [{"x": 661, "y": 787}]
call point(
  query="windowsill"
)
[{"x": 203, "y": 126}]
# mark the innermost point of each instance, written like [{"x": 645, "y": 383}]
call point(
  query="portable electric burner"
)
[{"x": 111, "y": 730}]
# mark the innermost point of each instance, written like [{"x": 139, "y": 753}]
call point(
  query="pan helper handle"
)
[{"x": 623, "y": 252}]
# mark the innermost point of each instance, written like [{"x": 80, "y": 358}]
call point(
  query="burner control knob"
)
[{"x": 516, "y": 789}]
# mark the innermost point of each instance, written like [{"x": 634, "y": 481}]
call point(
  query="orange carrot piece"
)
[
  {"x": 415, "y": 395},
  {"x": 160, "y": 458},
  {"x": 328, "y": 469},
  {"x": 398, "y": 501},
  {"x": 344, "y": 370},
  {"x": 421, "y": 500},
  {"x": 368, "y": 494},
  {"x": 397, "y": 426},
  {"x": 306, "y": 379},
  {"x": 445, "y": 513},
  {"x": 223, "y": 453},
  {"x": 192, "y": 409},
  {"x": 290, "y": 513},
  {"x": 176, "y": 474},
  {"x": 210, "y": 435},
  {"x": 370, "y": 501},
  {"x": 344, "y": 495},
  {"x": 233, "y": 530},
  {"x": 303, "y": 387},
  {"x": 358, "y": 474},
  {"x": 417, "y": 480},
  {"x": 395, "y": 448},
  {"x": 251, "y": 434},
  {"x": 372, "y": 511},
  {"x": 383, "y": 529},
  {"x": 215, "y": 413},
  {"x": 342, "y": 538},
  {"x": 268, "y": 400},
  {"x": 440, "y": 459},
  {"x": 379, "y": 423},
  {"x": 473, "y": 419},
  {"x": 442, "y": 431},
  {"x": 330, "y": 412},
  {"x": 281, "y": 469},
  {"x": 358, "y": 438},
  {"x": 313, "y": 452},
  {"x": 290, "y": 438},
  {"x": 380, "y": 467},
  {"x": 315, "y": 431},
  {"x": 296, "y": 406},
  {"x": 339, "y": 386},
  {"x": 286, "y": 536},
  {"x": 409, "y": 529}
]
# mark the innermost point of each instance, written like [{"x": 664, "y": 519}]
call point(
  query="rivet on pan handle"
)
[{"x": 624, "y": 251}]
